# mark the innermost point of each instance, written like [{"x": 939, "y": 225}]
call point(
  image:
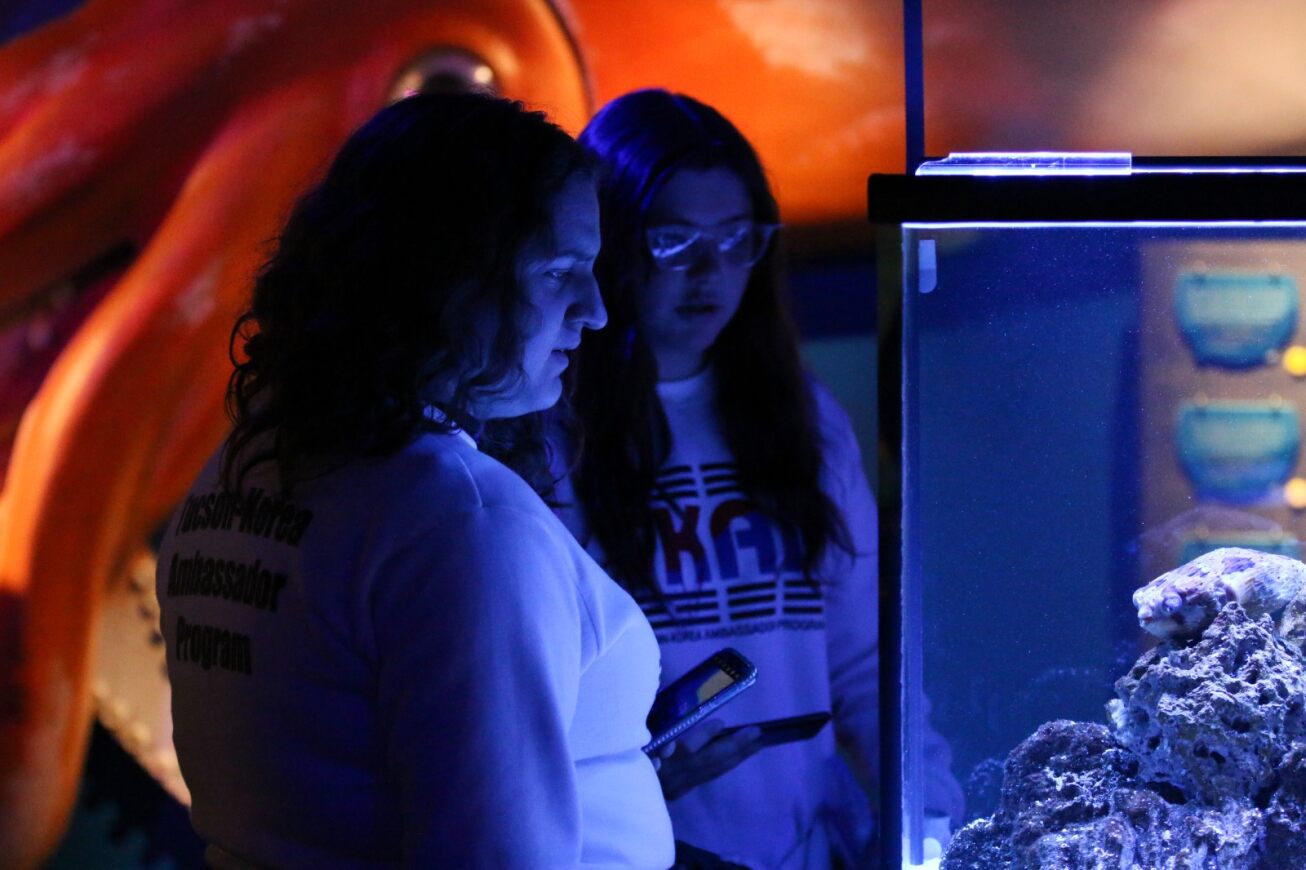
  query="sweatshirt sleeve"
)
[
  {"x": 478, "y": 631},
  {"x": 852, "y": 620},
  {"x": 851, "y": 591}
]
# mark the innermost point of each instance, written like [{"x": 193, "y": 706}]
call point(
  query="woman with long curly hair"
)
[
  {"x": 723, "y": 486},
  {"x": 384, "y": 648}
]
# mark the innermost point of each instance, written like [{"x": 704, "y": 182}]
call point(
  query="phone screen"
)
[
  {"x": 686, "y": 695},
  {"x": 691, "y": 697}
]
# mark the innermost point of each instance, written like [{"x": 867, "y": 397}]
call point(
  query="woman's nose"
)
[
  {"x": 707, "y": 260},
  {"x": 588, "y": 308}
]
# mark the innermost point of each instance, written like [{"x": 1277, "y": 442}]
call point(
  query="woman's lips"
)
[{"x": 696, "y": 309}]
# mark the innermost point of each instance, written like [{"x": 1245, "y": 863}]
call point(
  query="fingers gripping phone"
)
[{"x": 693, "y": 696}]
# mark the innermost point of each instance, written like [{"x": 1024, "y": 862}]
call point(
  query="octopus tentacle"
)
[{"x": 165, "y": 321}]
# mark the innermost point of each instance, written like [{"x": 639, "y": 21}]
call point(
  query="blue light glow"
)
[
  {"x": 1030, "y": 163},
  {"x": 1035, "y": 225},
  {"x": 1061, "y": 163},
  {"x": 1218, "y": 170}
]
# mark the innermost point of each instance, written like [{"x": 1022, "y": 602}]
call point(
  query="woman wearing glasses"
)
[{"x": 724, "y": 488}]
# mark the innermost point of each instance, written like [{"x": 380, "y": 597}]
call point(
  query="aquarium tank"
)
[{"x": 1093, "y": 375}]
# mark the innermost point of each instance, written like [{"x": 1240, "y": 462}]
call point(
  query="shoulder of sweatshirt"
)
[{"x": 435, "y": 477}]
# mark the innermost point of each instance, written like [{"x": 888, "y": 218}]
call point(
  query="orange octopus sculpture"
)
[{"x": 149, "y": 150}]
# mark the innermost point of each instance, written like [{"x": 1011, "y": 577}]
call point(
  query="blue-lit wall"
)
[{"x": 834, "y": 306}]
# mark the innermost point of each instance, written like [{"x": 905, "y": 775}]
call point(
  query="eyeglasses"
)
[{"x": 678, "y": 246}]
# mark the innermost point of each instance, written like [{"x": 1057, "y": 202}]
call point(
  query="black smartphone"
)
[
  {"x": 787, "y": 730},
  {"x": 707, "y": 686}
]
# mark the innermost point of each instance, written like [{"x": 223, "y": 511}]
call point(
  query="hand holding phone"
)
[
  {"x": 693, "y": 696},
  {"x": 718, "y": 750},
  {"x": 698, "y": 756}
]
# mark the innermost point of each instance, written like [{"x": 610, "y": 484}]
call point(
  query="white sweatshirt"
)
[
  {"x": 733, "y": 577},
  {"x": 413, "y": 662}
]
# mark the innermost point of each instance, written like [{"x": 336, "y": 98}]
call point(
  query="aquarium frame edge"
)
[
  {"x": 1203, "y": 195},
  {"x": 888, "y": 277}
]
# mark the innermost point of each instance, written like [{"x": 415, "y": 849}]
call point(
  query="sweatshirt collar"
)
[{"x": 697, "y": 386}]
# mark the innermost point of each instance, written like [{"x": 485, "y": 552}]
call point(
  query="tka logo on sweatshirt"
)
[{"x": 721, "y": 559}]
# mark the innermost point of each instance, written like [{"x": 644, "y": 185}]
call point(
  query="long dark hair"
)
[
  {"x": 764, "y": 400},
  {"x": 377, "y": 279}
]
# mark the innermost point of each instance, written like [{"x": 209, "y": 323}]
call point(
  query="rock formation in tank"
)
[{"x": 1202, "y": 764}]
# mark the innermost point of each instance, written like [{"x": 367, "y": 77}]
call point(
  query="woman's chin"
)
[{"x": 540, "y": 397}]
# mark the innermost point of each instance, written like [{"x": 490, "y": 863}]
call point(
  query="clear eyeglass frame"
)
[{"x": 679, "y": 246}]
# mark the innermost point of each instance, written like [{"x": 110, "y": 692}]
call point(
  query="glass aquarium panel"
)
[{"x": 1085, "y": 407}]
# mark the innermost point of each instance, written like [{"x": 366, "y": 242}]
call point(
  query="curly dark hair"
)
[
  {"x": 377, "y": 279},
  {"x": 764, "y": 399}
]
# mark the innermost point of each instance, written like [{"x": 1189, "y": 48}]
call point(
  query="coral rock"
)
[
  {"x": 1060, "y": 776},
  {"x": 1203, "y": 767},
  {"x": 1071, "y": 802},
  {"x": 982, "y": 843},
  {"x": 1293, "y": 624},
  {"x": 1285, "y": 819},
  {"x": 1215, "y": 718}
]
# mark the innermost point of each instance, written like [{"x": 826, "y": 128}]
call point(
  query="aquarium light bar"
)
[
  {"x": 1218, "y": 170},
  {"x": 1007, "y": 163},
  {"x": 1030, "y": 163},
  {"x": 1034, "y": 225}
]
